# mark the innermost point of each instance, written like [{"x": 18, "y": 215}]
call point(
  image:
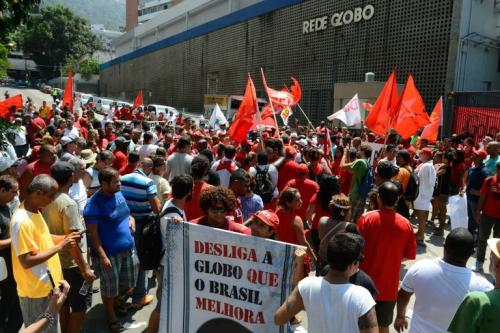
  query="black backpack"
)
[
  {"x": 263, "y": 184},
  {"x": 412, "y": 190},
  {"x": 150, "y": 249}
]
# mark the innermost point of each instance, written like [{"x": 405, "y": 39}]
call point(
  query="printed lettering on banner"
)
[
  {"x": 216, "y": 280},
  {"x": 376, "y": 150}
]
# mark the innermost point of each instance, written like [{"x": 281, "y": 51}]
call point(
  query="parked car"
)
[
  {"x": 103, "y": 104},
  {"x": 45, "y": 88},
  {"x": 85, "y": 98}
]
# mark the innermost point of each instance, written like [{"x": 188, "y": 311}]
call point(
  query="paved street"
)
[{"x": 137, "y": 321}]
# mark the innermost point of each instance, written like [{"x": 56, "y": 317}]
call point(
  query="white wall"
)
[{"x": 478, "y": 57}]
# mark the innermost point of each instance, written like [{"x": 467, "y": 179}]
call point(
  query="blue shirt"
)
[
  {"x": 491, "y": 165},
  {"x": 475, "y": 179},
  {"x": 137, "y": 188},
  {"x": 112, "y": 217},
  {"x": 250, "y": 205}
]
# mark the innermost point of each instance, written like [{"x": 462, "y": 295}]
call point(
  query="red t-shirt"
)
[
  {"x": 307, "y": 189},
  {"x": 110, "y": 136},
  {"x": 345, "y": 178},
  {"x": 287, "y": 172},
  {"x": 129, "y": 168},
  {"x": 388, "y": 239},
  {"x": 38, "y": 168},
  {"x": 285, "y": 232},
  {"x": 237, "y": 214},
  {"x": 229, "y": 225},
  {"x": 192, "y": 207},
  {"x": 457, "y": 173},
  {"x": 120, "y": 161},
  {"x": 319, "y": 212},
  {"x": 491, "y": 189}
]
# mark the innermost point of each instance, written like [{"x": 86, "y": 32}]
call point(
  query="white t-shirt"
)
[
  {"x": 78, "y": 192},
  {"x": 73, "y": 132},
  {"x": 439, "y": 289},
  {"x": 163, "y": 224},
  {"x": 333, "y": 307},
  {"x": 20, "y": 136},
  {"x": 178, "y": 164},
  {"x": 224, "y": 174},
  {"x": 146, "y": 150},
  {"x": 427, "y": 178},
  {"x": 273, "y": 173}
]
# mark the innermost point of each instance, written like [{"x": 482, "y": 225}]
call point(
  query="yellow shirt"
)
[
  {"x": 45, "y": 112},
  {"x": 403, "y": 177},
  {"x": 29, "y": 233}
]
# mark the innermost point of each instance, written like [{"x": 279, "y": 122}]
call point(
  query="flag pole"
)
[
  {"x": 307, "y": 118},
  {"x": 270, "y": 102}
]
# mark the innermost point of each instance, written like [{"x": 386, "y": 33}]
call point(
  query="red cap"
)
[
  {"x": 290, "y": 151},
  {"x": 303, "y": 169},
  {"x": 427, "y": 151},
  {"x": 480, "y": 153},
  {"x": 268, "y": 217}
]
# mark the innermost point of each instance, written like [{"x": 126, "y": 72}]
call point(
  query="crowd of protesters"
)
[{"x": 76, "y": 188}]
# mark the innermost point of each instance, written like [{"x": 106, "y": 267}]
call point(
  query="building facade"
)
[{"x": 188, "y": 52}]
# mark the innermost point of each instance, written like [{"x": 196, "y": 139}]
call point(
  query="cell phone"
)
[
  {"x": 51, "y": 279},
  {"x": 82, "y": 232}
]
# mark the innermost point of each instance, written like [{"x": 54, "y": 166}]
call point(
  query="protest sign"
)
[
  {"x": 376, "y": 150},
  {"x": 219, "y": 281}
]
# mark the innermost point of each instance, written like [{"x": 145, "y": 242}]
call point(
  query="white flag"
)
[
  {"x": 350, "y": 114},
  {"x": 217, "y": 118},
  {"x": 285, "y": 115}
]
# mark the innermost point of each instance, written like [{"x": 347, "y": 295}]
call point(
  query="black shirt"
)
[{"x": 360, "y": 278}]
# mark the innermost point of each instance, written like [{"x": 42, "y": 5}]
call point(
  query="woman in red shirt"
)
[
  {"x": 291, "y": 227},
  {"x": 318, "y": 206},
  {"x": 458, "y": 169}
]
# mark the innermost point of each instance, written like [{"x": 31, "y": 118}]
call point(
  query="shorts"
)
[
  {"x": 385, "y": 312},
  {"x": 123, "y": 272},
  {"x": 31, "y": 309},
  {"x": 159, "y": 288},
  {"x": 75, "y": 301}
]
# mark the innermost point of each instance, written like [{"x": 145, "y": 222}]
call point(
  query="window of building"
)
[{"x": 213, "y": 83}]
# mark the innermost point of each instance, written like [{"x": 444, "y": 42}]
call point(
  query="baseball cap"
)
[
  {"x": 66, "y": 140},
  {"x": 302, "y": 142},
  {"x": 268, "y": 217},
  {"x": 121, "y": 140},
  {"x": 61, "y": 169},
  {"x": 426, "y": 151},
  {"x": 494, "y": 245}
]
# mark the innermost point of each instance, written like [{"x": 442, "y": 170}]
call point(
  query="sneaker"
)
[{"x": 479, "y": 266}]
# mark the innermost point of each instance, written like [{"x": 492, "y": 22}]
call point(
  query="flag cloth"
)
[
  {"x": 285, "y": 115},
  {"x": 6, "y": 104},
  {"x": 283, "y": 97},
  {"x": 217, "y": 118},
  {"x": 411, "y": 115},
  {"x": 431, "y": 131},
  {"x": 368, "y": 106},
  {"x": 385, "y": 106},
  {"x": 245, "y": 117},
  {"x": 350, "y": 114},
  {"x": 138, "y": 100},
  {"x": 68, "y": 92}
]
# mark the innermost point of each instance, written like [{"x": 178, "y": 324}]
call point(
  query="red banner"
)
[{"x": 478, "y": 121}]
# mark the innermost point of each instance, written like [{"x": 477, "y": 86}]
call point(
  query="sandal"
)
[
  {"x": 116, "y": 327},
  {"x": 147, "y": 300}
]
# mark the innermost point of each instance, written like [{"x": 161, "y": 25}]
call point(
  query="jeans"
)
[
  {"x": 487, "y": 223},
  {"x": 471, "y": 212},
  {"x": 140, "y": 289}
]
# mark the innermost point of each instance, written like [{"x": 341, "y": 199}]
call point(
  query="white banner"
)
[
  {"x": 219, "y": 281},
  {"x": 376, "y": 149},
  {"x": 217, "y": 118},
  {"x": 350, "y": 114}
]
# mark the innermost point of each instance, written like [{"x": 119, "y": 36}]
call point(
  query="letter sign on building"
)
[{"x": 338, "y": 19}]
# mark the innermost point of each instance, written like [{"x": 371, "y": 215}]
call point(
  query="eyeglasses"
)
[{"x": 217, "y": 210}]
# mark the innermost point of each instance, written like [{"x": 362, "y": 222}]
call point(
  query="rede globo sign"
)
[{"x": 338, "y": 19}]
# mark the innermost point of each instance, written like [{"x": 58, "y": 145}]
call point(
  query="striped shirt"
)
[{"x": 137, "y": 188}]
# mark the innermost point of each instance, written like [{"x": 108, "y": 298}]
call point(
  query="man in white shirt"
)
[
  {"x": 331, "y": 302},
  {"x": 148, "y": 148},
  {"x": 263, "y": 167},
  {"x": 179, "y": 163},
  {"x": 173, "y": 211},
  {"x": 226, "y": 166},
  {"x": 439, "y": 286},
  {"x": 390, "y": 154},
  {"x": 426, "y": 179}
]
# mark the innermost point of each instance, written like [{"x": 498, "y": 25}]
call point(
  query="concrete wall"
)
[
  {"x": 478, "y": 63},
  {"x": 412, "y": 35}
]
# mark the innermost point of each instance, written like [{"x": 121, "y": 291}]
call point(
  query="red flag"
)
[
  {"x": 368, "y": 107},
  {"x": 138, "y": 100},
  {"x": 431, "y": 131},
  {"x": 245, "y": 117},
  {"x": 411, "y": 115},
  {"x": 384, "y": 108},
  {"x": 6, "y": 104},
  {"x": 283, "y": 97},
  {"x": 68, "y": 92}
]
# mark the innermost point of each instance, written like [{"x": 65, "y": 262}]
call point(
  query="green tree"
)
[
  {"x": 13, "y": 13},
  {"x": 4, "y": 61},
  {"x": 57, "y": 36},
  {"x": 86, "y": 67}
]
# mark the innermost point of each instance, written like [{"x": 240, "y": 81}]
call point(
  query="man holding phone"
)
[
  {"x": 63, "y": 218},
  {"x": 34, "y": 250}
]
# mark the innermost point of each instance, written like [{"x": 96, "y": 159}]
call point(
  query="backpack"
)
[
  {"x": 264, "y": 185},
  {"x": 150, "y": 250},
  {"x": 412, "y": 189},
  {"x": 367, "y": 182}
]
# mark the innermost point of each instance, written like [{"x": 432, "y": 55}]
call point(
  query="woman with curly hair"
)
[
  {"x": 291, "y": 226},
  {"x": 340, "y": 209},
  {"x": 217, "y": 203}
]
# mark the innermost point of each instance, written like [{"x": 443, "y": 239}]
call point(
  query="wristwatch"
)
[{"x": 50, "y": 318}]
